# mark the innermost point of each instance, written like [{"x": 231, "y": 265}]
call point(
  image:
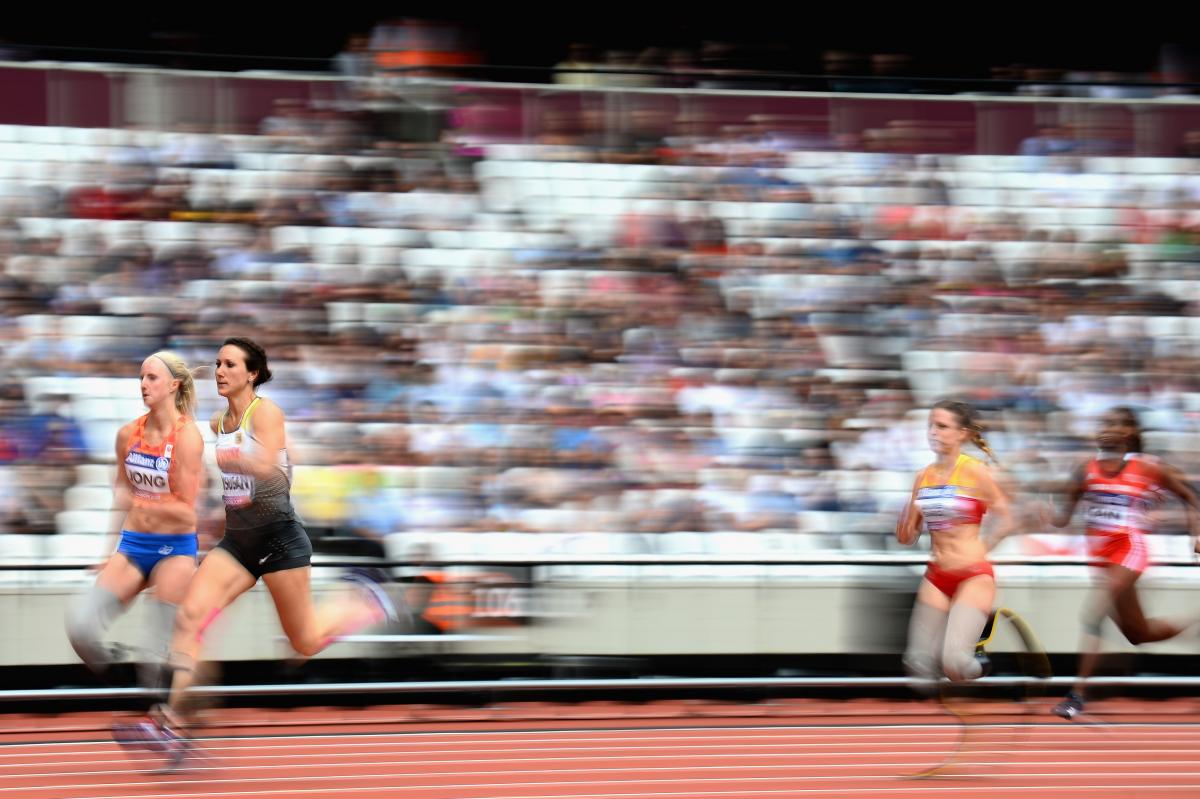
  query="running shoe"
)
[
  {"x": 370, "y": 582},
  {"x": 1070, "y": 707},
  {"x": 141, "y": 736}
]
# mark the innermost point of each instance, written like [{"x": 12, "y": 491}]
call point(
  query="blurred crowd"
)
[
  {"x": 664, "y": 333},
  {"x": 431, "y": 48}
]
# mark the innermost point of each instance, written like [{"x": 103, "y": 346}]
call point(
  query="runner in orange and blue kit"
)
[{"x": 159, "y": 458}]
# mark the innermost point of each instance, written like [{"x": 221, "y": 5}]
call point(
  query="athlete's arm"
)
[
  {"x": 1175, "y": 481},
  {"x": 1074, "y": 492},
  {"x": 999, "y": 505},
  {"x": 122, "y": 492},
  {"x": 188, "y": 462},
  {"x": 908, "y": 526},
  {"x": 262, "y": 460}
]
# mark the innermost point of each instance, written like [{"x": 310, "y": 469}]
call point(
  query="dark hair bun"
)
[{"x": 256, "y": 358}]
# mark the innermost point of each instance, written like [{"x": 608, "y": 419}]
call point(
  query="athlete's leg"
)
[
  {"x": 309, "y": 628},
  {"x": 169, "y": 580},
  {"x": 90, "y": 615},
  {"x": 1129, "y": 616},
  {"x": 218, "y": 582},
  {"x": 1100, "y": 604},
  {"x": 926, "y": 632},
  {"x": 969, "y": 613}
]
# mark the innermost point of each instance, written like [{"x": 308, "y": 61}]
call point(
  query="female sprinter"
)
[
  {"x": 263, "y": 539},
  {"x": 159, "y": 457},
  {"x": 955, "y": 599},
  {"x": 1120, "y": 487}
]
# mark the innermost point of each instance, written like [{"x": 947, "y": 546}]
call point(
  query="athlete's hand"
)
[
  {"x": 96, "y": 568},
  {"x": 1037, "y": 517},
  {"x": 229, "y": 460}
]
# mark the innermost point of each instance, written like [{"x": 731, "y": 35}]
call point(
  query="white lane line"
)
[
  {"x": 1096, "y": 768},
  {"x": 241, "y": 761},
  {"x": 356, "y": 749},
  {"x": 1141, "y": 733},
  {"x": 342, "y": 779},
  {"x": 580, "y": 734},
  {"x": 808, "y": 730},
  {"x": 1067, "y": 734},
  {"x": 333, "y": 751},
  {"x": 924, "y": 787}
]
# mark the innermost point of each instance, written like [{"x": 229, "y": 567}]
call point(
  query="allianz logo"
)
[{"x": 159, "y": 464}]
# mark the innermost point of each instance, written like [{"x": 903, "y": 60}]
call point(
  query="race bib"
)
[
  {"x": 148, "y": 475},
  {"x": 938, "y": 506},
  {"x": 237, "y": 489},
  {"x": 1110, "y": 512}
]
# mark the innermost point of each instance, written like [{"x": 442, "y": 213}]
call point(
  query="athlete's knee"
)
[
  {"x": 921, "y": 664},
  {"x": 962, "y": 666},
  {"x": 1134, "y": 634},
  {"x": 189, "y": 618},
  {"x": 965, "y": 625},
  {"x": 88, "y": 619},
  {"x": 84, "y": 637},
  {"x": 1135, "y": 627},
  {"x": 308, "y": 645},
  {"x": 1091, "y": 620},
  {"x": 924, "y": 673}
]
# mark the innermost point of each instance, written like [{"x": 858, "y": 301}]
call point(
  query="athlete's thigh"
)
[
  {"x": 171, "y": 578},
  {"x": 930, "y": 594},
  {"x": 219, "y": 580},
  {"x": 291, "y": 590},
  {"x": 977, "y": 592},
  {"x": 1119, "y": 580},
  {"x": 1127, "y": 605},
  {"x": 121, "y": 577}
]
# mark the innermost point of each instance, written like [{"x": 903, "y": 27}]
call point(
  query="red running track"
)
[{"x": 605, "y": 750}]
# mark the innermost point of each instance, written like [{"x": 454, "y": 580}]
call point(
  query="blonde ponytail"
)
[{"x": 185, "y": 398}]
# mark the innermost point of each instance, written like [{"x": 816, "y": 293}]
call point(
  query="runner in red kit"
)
[{"x": 1120, "y": 488}]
